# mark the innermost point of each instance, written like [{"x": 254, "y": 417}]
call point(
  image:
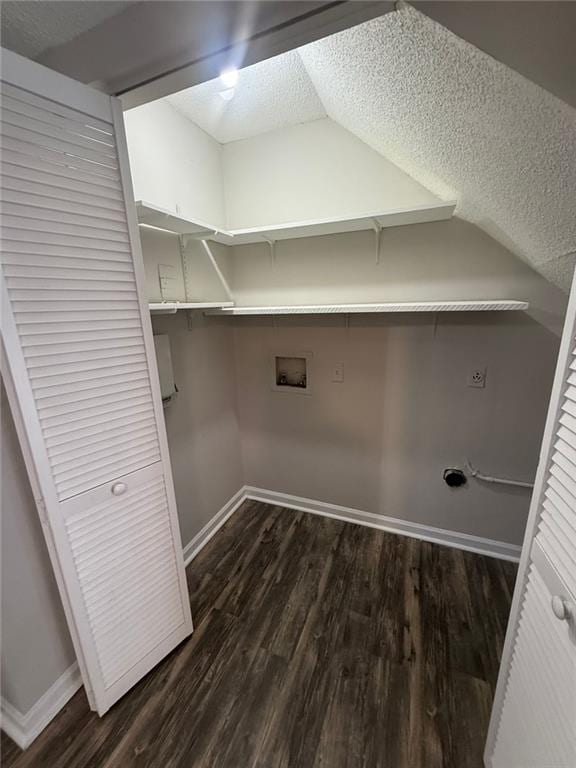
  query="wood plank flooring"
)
[{"x": 318, "y": 644}]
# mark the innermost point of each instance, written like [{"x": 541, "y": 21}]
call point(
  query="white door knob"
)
[
  {"x": 119, "y": 488},
  {"x": 559, "y": 608}
]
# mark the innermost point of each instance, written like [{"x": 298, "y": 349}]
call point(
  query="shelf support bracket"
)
[
  {"x": 272, "y": 244},
  {"x": 217, "y": 269},
  {"x": 183, "y": 242},
  {"x": 378, "y": 240},
  {"x": 186, "y": 239}
]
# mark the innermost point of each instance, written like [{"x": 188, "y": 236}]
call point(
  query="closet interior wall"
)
[
  {"x": 201, "y": 422},
  {"x": 378, "y": 441},
  {"x": 36, "y": 645}
]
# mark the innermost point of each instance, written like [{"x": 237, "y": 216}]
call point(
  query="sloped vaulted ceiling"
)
[
  {"x": 456, "y": 119},
  {"x": 271, "y": 94}
]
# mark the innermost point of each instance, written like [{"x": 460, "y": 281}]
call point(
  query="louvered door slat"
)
[
  {"x": 91, "y": 440},
  {"x": 556, "y": 530},
  {"x": 65, "y": 435},
  {"x": 57, "y": 385},
  {"x": 552, "y": 537},
  {"x": 60, "y": 350},
  {"x": 68, "y": 145},
  {"x": 67, "y": 337},
  {"x": 59, "y": 425},
  {"x": 80, "y": 391},
  {"x": 13, "y": 104},
  {"x": 63, "y": 176},
  {"x": 78, "y": 253},
  {"x": 58, "y": 362},
  {"x": 38, "y": 220},
  {"x": 134, "y": 514},
  {"x": 73, "y": 312},
  {"x": 136, "y": 575},
  {"x": 567, "y": 451},
  {"x": 32, "y": 282},
  {"x": 99, "y": 326},
  {"x": 135, "y": 440},
  {"x": 78, "y": 342},
  {"x": 15, "y": 182},
  {"x": 57, "y": 111},
  {"x": 54, "y": 155},
  {"x": 83, "y": 404},
  {"x": 149, "y": 586},
  {"x": 101, "y": 144},
  {"x": 126, "y": 613},
  {"x": 71, "y": 208},
  {"x": 559, "y": 513},
  {"x": 85, "y": 521},
  {"x": 560, "y": 505},
  {"x": 68, "y": 267},
  {"x": 568, "y": 432},
  {"x": 35, "y": 238},
  {"x": 80, "y": 371},
  {"x": 113, "y": 646},
  {"x": 60, "y": 211}
]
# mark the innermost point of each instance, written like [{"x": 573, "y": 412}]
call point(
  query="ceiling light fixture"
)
[{"x": 229, "y": 77}]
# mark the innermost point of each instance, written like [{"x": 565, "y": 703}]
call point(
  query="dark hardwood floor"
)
[{"x": 318, "y": 644}]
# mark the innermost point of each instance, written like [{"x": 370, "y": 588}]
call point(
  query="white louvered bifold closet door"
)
[
  {"x": 534, "y": 717},
  {"x": 80, "y": 368}
]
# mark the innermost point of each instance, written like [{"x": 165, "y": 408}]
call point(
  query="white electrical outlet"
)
[
  {"x": 477, "y": 377},
  {"x": 338, "y": 373}
]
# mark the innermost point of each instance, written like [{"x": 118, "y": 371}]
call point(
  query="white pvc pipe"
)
[{"x": 498, "y": 480}]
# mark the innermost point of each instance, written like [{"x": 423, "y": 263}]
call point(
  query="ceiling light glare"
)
[
  {"x": 227, "y": 94},
  {"x": 229, "y": 77}
]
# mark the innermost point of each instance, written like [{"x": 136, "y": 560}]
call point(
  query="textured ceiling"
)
[
  {"x": 456, "y": 119},
  {"x": 271, "y": 94},
  {"x": 30, "y": 28}
]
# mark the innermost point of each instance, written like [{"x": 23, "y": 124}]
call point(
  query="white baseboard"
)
[
  {"x": 465, "y": 541},
  {"x": 212, "y": 526},
  {"x": 23, "y": 729}
]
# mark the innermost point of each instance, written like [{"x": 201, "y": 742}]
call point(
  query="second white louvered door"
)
[
  {"x": 538, "y": 723},
  {"x": 534, "y": 716},
  {"x": 80, "y": 371}
]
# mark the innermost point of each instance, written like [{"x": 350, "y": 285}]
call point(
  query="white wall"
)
[
  {"x": 380, "y": 440},
  {"x": 175, "y": 165},
  {"x": 36, "y": 645},
  {"x": 377, "y": 442},
  {"x": 309, "y": 171},
  {"x": 198, "y": 282},
  {"x": 160, "y": 248},
  {"x": 422, "y": 262},
  {"x": 202, "y": 424}
]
